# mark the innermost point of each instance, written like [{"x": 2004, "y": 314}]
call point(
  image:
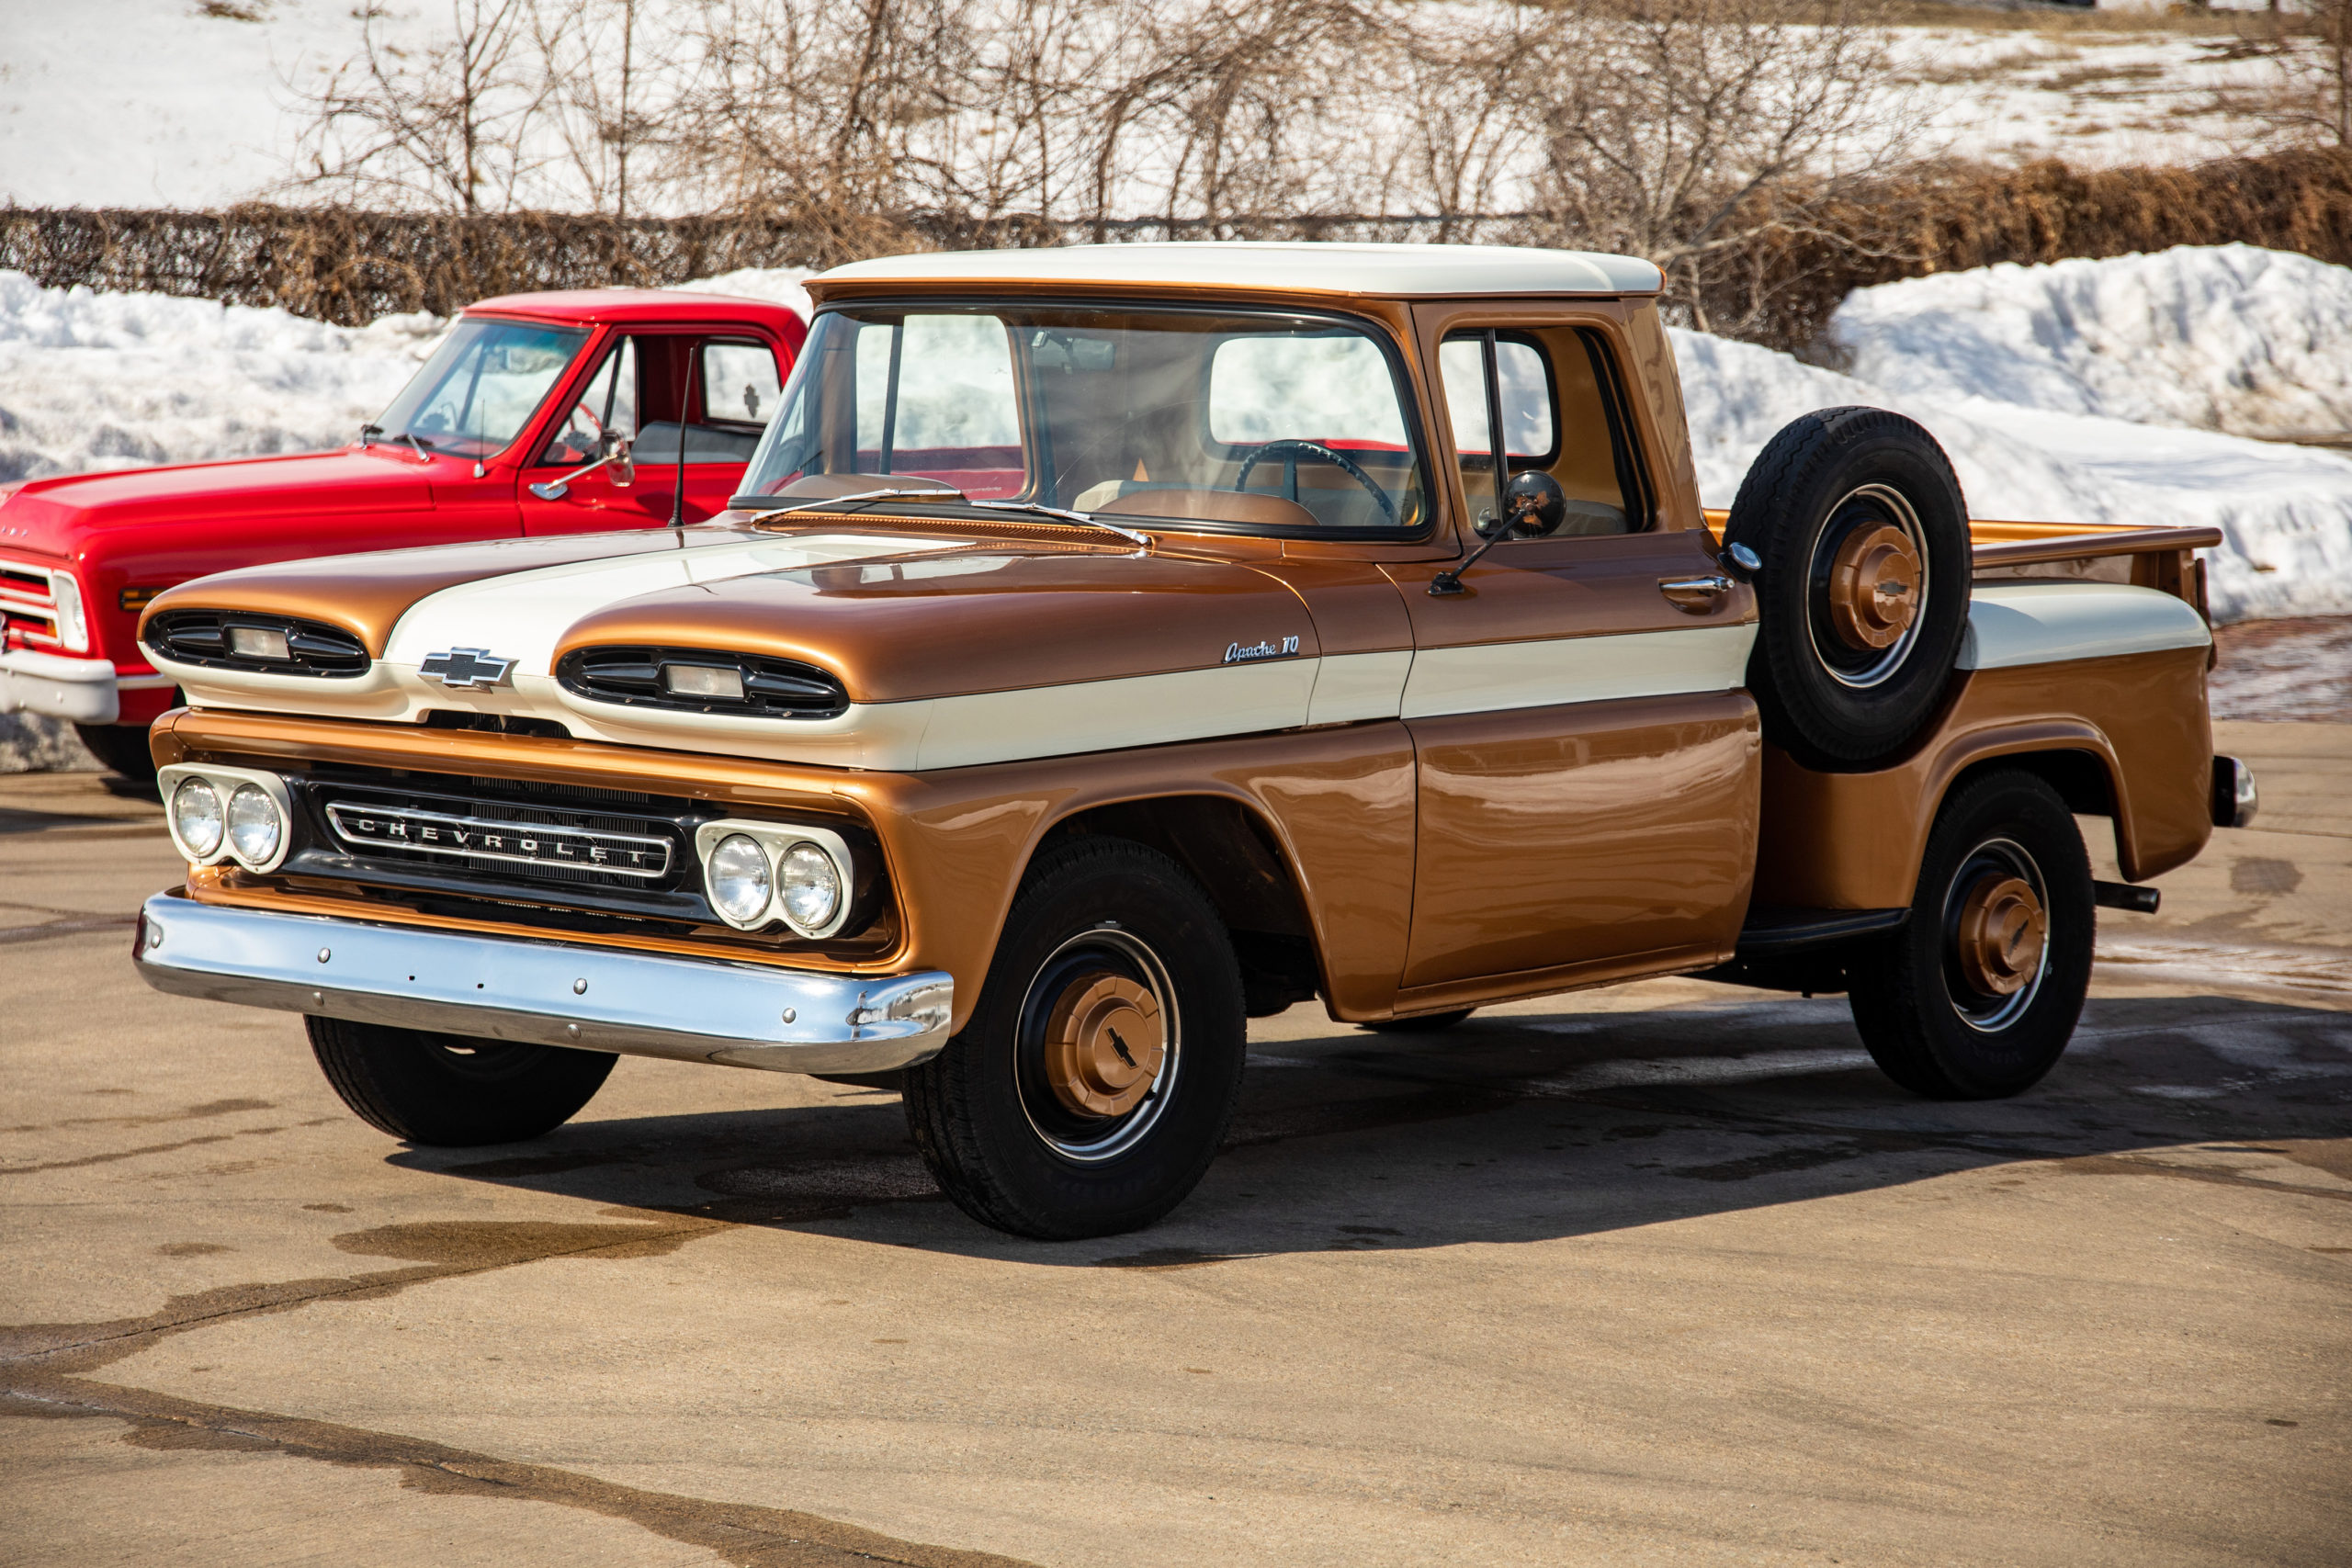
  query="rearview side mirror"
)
[{"x": 617, "y": 457}]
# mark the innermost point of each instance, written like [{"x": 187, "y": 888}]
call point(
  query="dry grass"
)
[
  {"x": 2179, "y": 22},
  {"x": 1943, "y": 220}
]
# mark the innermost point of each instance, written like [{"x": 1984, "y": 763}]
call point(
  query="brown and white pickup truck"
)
[{"x": 1113, "y": 645}]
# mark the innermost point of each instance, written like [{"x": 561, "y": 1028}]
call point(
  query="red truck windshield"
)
[{"x": 481, "y": 387}]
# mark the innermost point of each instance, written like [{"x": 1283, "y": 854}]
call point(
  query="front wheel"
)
[
  {"x": 453, "y": 1090},
  {"x": 1093, "y": 1083},
  {"x": 121, "y": 746},
  {"x": 1978, "y": 994}
]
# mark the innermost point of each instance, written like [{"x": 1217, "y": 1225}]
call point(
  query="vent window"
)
[
  {"x": 695, "y": 680},
  {"x": 272, "y": 645}
]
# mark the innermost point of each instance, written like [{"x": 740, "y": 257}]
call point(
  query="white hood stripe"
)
[{"x": 523, "y": 615}]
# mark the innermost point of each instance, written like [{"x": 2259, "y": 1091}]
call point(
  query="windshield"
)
[
  {"x": 481, "y": 387},
  {"x": 1261, "y": 422}
]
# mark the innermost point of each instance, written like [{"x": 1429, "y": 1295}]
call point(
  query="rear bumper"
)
[
  {"x": 2236, "y": 800},
  {"x": 547, "y": 993},
  {"x": 81, "y": 690}
]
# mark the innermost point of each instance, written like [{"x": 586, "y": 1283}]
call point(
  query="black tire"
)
[
  {"x": 121, "y": 746},
  {"x": 1928, "y": 1023},
  {"x": 1822, "y": 490},
  {"x": 1428, "y": 1023},
  {"x": 454, "y": 1091},
  {"x": 1004, "y": 1142}
]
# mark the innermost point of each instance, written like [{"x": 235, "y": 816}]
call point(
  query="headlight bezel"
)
[
  {"x": 224, "y": 782},
  {"x": 777, "y": 840},
  {"x": 72, "y": 611}
]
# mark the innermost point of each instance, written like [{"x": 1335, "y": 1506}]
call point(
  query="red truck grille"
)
[{"x": 27, "y": 609}]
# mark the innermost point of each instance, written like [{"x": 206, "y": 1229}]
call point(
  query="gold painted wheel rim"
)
[
  {"x": 1105, "y": 1044},
  {"x": 2003, "y": 930},
  {"x": 1875, "y": 587}
]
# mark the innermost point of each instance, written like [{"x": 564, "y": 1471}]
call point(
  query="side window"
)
[
  {"x": 607, "y": 404},
  {"x": 738, "y": 383},
  {"x": 1522, "y": 394},
  {"x": 1558, "y": 417},
  {"x": 720, "y": 392}
]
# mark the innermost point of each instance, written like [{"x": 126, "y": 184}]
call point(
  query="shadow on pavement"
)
[{"x": 1531, "y": 1127}]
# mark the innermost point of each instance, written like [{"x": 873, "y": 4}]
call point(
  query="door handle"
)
[{"x": 1695, "y": 594}]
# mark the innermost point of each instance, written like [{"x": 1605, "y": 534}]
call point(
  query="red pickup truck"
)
[{"x": 539, "y": 414}]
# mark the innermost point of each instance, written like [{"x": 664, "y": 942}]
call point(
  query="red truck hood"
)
[{"x": 60, "y": 517}]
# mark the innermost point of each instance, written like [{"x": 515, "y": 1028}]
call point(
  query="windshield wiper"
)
[
  {"x": 1088, "y": 518},
  {"x": 899, "y": 495},
  {"x": 1038, "y": 508},
  {"x": 370, "y": 433}
]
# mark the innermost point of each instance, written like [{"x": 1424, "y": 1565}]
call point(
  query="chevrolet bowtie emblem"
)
[{"x": 475, "y": 667}]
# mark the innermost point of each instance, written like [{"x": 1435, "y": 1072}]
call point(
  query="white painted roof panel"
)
[{"x": 1377, "y": 270}]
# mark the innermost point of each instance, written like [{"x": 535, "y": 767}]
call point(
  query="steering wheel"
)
[{"x": 1291, "y": 450}]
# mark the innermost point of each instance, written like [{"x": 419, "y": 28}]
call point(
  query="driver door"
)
[
  {"x": 721, "y": 390},
  {"x": 1587, "y": 761}
]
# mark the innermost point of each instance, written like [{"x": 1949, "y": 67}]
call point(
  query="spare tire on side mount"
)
[{"x": 1864, "y": 589}]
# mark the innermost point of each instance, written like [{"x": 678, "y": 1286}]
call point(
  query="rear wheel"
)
[
  {"x": 1978, "y": 994},
  {"x": 454, "y": 1091},
  {"x": 1093, "y": 1083}
]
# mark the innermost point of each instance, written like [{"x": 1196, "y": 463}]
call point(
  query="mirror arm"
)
[
  {"x": 553, "y": 489},
  {"x": 1446, "y": 582}
]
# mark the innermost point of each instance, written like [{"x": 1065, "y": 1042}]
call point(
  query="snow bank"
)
[
  {"x": 2086, "y": 392},
  {"x": 91, "y": 381},
  {"x": 2229, "y": 338},
  {"x": 2072, "y": 393},
  {"x": 778, "y": 285}
]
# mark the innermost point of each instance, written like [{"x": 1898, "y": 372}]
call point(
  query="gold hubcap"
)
[
  {"x": 2002, "y": 930},
  {"x": 1875, "y": 587},
  {"x": 1104, "y": 1046}
]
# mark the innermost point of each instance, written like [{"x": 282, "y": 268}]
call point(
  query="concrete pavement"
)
[{"x": 1660, "y": 1273}]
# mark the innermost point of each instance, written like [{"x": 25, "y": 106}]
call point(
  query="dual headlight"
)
[
  {"x": 756, "y": 873},
  {"x": 217, "y": 814}
]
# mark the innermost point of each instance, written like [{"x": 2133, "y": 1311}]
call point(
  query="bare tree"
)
[
  {"x": 604, "y": 89},
  {"x": 2312, "y": 104},
  {"x": 1677, "y": 129},
  {"x": 447, "y": 127}
]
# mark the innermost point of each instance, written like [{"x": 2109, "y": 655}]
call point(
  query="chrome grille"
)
[
  {"x": 493, "y": 838},
  {"x": 536, "y": 846},
  {"x": 28, "y": 608}
]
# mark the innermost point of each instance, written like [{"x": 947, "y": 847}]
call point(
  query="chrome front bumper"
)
[
  {"x": 547, "y": 993},
  {"x": 81, "y": 690}
]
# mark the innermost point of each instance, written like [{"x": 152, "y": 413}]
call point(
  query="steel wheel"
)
[{"x": 1101, "y": 1046}]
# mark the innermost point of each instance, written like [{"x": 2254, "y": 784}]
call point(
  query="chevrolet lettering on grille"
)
[{"x": 518, "y": 843}]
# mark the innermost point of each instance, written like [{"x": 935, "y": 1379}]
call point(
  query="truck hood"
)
[
  {"x": 56, "y": 516},
  {"x": 952, "y": 650}
]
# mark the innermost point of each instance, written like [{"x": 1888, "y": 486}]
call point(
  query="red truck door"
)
[
  {"x": 720, "y": 388},
  {"x": 1587, "y": 763}
]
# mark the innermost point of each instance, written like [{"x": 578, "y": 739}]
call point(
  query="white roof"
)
[{"x": 1379, "y": 270}]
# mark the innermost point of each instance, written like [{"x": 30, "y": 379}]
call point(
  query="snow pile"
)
[
  {"x": 2230, "y": 338},
  {"x": 1986, "y": 360},
  {"x": 91, "y": 381}
]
